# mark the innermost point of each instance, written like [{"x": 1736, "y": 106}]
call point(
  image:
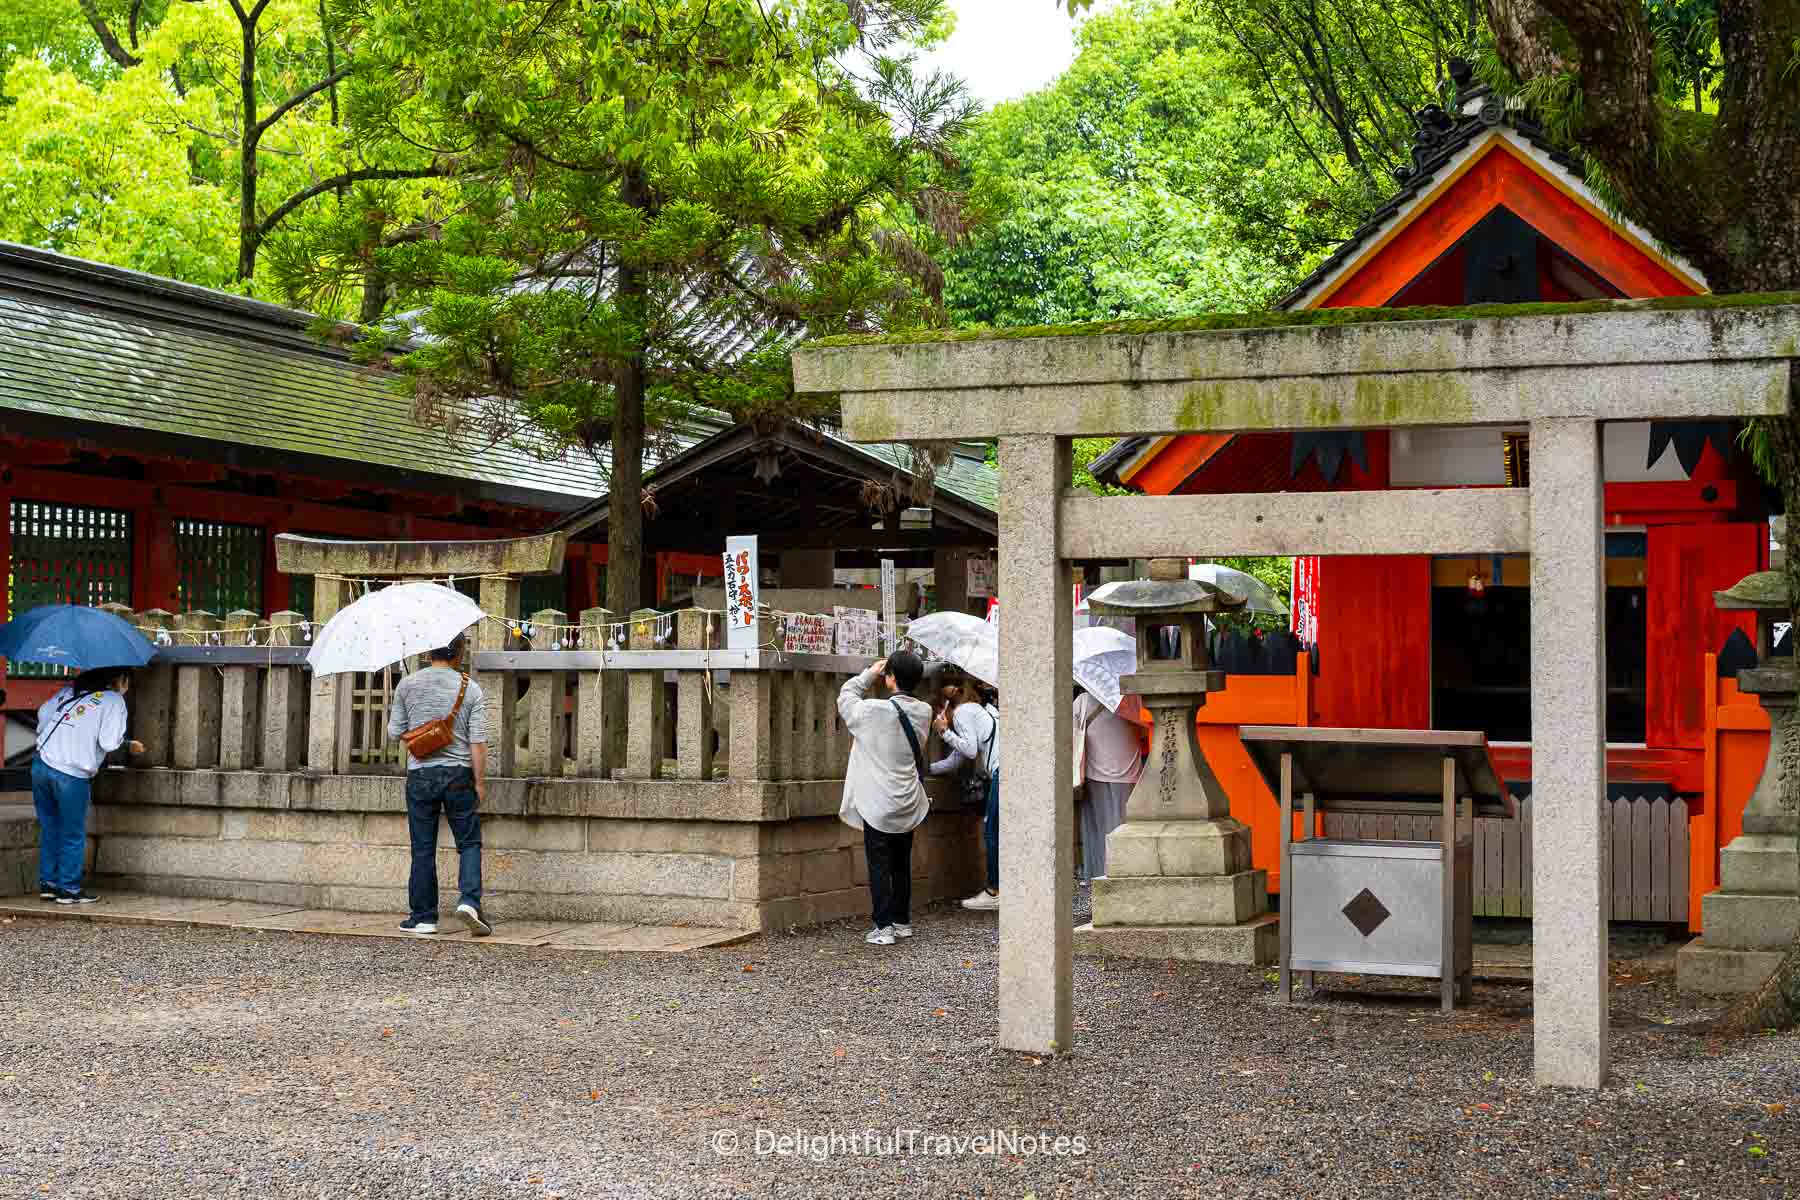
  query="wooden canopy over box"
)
[{"x": 1380, "y": 770}]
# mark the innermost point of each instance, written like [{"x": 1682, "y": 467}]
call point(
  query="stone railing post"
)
[
  {"x": 328, "y": 714},
  {"x": 752, "y": 708},
  {"x": 240, "y": 706},
  {"x": 645, "y": 705},
  {"x": 284, "y": 700},
  {"x": 134, "y": 699},
  {"x": 695, "y": 629},
  {"x": 547, "y": 696},
  {"x": 499, "y": 598},
  {"x": 593, "y": 711},
  {"x": 153, "y": 696},
  {"x": 198, "y": 696}
]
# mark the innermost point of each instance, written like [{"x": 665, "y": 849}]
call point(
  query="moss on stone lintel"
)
[{"x": 1318, "y": 317}]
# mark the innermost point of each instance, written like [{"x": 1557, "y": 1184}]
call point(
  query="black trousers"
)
[{"x": 890, "y": 875}]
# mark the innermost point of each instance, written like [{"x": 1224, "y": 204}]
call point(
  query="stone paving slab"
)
[{"x": 243, "y": 914}]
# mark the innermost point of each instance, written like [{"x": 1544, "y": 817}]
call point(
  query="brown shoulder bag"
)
[{"x": 423, "y": 741}]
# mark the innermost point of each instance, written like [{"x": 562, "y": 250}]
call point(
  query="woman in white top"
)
[
  {"x": 972, "y": 731},
  {"x": 1112, "y": 760},
  {"x": 77, "y": 728}
]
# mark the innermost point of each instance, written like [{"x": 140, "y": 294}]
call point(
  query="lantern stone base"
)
[
  {"x": 1749, "y": 922},
  {"x": 1719, "y": 970},
  {"x": 1139, "y": 849},
  {"x": 1255, "y": 943},
  {"x": 1181, "y": 899}
]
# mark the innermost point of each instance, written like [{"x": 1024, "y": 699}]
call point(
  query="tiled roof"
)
[{"x": 167, "y": 367}]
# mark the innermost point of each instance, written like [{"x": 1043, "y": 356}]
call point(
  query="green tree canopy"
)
[{"x": 654, "y": 199}]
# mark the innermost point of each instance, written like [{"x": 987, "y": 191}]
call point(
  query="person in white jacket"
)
[
  {"x": 884, "y": 785},
  {"x": 77, "y": 728}
]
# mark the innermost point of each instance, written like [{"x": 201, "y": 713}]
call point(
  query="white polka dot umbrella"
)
[{"x": 392, "y": 624}]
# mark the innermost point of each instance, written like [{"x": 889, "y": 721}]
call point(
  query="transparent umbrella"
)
[
  {"x": 1261, "y": 597},
  {"x": 962, "y": 641},
  {"x": 1102, "y": 656},
  {"x": 395, "y": 623}
]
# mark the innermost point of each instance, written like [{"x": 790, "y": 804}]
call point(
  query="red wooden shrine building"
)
[
  {"x": 1492, "y": 213},
  {"x": 155, "y": 437}
]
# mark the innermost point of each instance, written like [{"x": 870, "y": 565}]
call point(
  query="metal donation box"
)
[{"x": 1378, "y": 907}]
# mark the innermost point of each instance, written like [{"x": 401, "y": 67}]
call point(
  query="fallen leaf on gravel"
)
[
  {"x": 1774, "y": 1110},
  {"x": 593, "y": 1095},
  {"x": 940, "y": 1013},
  {"x": 749, "y": 966},
  {"x": 1158, "y": 995},
  {"x": 1037, "y": 1062},
  {"x": 839, "y": 1052},
  {"x": 535, "y": 1179},
  {"x": 967, "y": 964},
  {"x": 387, "y": 1033}
]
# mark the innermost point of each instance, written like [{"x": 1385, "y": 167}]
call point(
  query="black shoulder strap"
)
[
  {"x": 912, "y": 739},
  {"x": 993, "y": 732}
]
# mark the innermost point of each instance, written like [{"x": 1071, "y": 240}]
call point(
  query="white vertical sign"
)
[
  {"x": 888, "y": 615},
  {"x": 743, "y": 591}
]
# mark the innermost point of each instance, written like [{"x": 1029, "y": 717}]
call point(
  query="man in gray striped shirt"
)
[{"x": 452, "y": 781}]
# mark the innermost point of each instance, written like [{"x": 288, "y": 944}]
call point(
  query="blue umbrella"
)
[{"x": 73, "y": 636}]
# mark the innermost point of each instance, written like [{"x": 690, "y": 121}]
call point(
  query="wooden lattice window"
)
[
  {"x": 219, "y": 567},
  {"x": 66, "y": 553}
]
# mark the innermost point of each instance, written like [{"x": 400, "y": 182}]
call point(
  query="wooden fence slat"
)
[
  {"x": 1525, "y": 859},
  {"x": 1680, "y": 831},
  {"x": 1659, "y": 858},
  {"x": 1490, "y": 839},
  {"x": 1620, "y": 909}
]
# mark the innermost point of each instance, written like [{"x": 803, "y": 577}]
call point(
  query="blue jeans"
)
[
  {"x": 990, "y": 831},
  {"x": 451, "y": 790},
  {"x": 62, "y": 809}
]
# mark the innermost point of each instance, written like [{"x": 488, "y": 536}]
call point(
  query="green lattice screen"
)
[
  {"x": 219, "y": 567},
  {"x": 66, "y": 553}
]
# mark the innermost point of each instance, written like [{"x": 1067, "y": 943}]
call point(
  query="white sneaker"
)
[
  {"x": 983, "y": 901},
  {"x": 471, "y": 916},
  {"x": 880, "y": 937},
  {"x": 902, "y": 931}
]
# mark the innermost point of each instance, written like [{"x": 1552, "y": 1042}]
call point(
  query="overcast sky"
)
[{"x": 1005, "y": 48}]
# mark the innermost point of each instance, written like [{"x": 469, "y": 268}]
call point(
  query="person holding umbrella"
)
[{"x": 77, "y": 728}]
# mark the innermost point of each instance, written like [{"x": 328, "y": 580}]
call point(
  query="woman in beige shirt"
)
[{"x": 1111, "y": 763}]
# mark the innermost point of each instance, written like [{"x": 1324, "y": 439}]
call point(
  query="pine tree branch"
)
[{"x": 267, "y": 225}]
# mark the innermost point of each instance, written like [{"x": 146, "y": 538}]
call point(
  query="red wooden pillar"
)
[{"x": 154, "y": 562}]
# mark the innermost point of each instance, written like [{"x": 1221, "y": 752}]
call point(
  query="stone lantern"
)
[
  {"x": 1179, "y": 867},
  {"x": 1751, "y": 919}
]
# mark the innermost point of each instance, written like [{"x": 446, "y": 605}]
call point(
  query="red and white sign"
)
[{"x": 1304, "y": 619}]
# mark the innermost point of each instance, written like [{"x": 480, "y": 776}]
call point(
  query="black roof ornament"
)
[
  {"x": 1330, "y": 447},
  {"x": 1689, "y": 439}
]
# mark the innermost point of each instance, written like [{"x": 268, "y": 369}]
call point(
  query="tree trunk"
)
[
  {"x": 248, "y": 241},
  {"x": 1721, "y": 194}
]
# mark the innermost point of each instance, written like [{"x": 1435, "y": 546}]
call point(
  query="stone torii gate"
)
[{"x": 1561, "y": 370}]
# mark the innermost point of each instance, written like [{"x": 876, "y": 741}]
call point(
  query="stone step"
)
[
  {"x": 139, "y": 909},
  {"x": 1722, "y": 970},
  {"x": 1255, "y": 943},
  {"x": 1224, "y": 900},
  {"x": 1744, "y": 921},
  {"x": 1760, "y": 864}
]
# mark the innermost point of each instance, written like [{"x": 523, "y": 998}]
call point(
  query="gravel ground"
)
[{"x": 163, "y": 1062}]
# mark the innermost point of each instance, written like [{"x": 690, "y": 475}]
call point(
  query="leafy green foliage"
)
[{"x": 1143, "y": 182}]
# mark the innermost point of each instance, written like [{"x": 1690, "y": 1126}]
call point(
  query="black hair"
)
[
  {"x": 450, "y": 653},
  {"x": 906, "y": 668},
  {"x": 99, "y": 679}
]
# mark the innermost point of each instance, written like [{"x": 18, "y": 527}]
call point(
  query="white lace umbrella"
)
[
  {"x": 962, "y": 641},
  {"x": 395, "y": 623},
  {"x": 1102, "y": 656}
]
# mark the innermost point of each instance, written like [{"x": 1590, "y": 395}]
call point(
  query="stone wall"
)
[
  {"x": 18, "y": 844},
  {"x": 741, "y": 856}
]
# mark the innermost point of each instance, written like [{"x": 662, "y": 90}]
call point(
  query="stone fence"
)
[{"x": 689, "y": 784}]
